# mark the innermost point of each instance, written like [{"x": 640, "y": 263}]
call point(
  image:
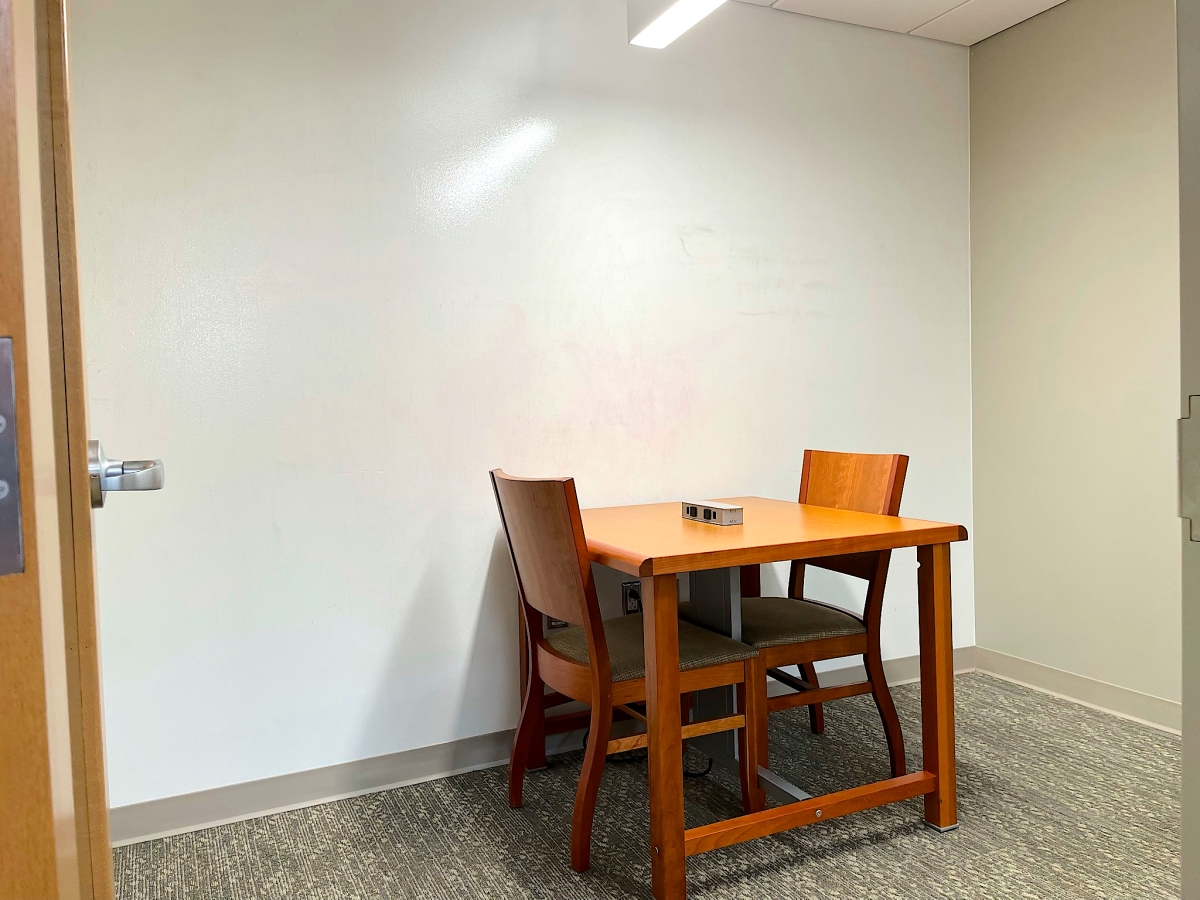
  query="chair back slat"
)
[
  {"x": 862, "y": 482},
  {"x": 545, "y": 536}
]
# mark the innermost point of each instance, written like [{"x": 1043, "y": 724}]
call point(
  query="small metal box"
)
[{"x": 712, "y": 513}]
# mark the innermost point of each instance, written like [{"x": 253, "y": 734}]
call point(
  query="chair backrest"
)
[
  {"x": 863, "y": 482},
  {"x": 550, "y": 561},
  {"x": 545, "y": 537}
]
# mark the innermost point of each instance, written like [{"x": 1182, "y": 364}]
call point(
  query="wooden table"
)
[{"x": 655, "y": 543}]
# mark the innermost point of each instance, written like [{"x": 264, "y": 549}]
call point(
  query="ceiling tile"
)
[
  {"x": 890, "y": 15},
  {"x": 978, "y": 19},
  {"x": 759, "y": 2}
]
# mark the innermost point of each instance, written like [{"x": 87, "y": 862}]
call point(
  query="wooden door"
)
[{"x": 54, "y": 826}]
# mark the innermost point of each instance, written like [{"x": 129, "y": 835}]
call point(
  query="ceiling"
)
[{"x": 955, "y": 21}]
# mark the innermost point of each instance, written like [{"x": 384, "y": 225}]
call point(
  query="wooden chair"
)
[
  {"x": 594, "y": 661},
  {"x": 793, "y": 630}
]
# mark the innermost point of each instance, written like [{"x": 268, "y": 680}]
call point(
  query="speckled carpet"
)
[{"x": 1055, "y": 801}]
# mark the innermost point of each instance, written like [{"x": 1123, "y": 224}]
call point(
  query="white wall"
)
[
  {"x": 341, "y": 259},
  {"x": 1075, "y": 277}
]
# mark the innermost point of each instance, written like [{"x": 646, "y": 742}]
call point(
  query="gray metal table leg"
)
[{"x": 715, "y": 601}]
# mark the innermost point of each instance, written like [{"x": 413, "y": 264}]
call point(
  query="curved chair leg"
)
[
  {"x": 887, "y": 711},
  {"x": 816, "y": 712},
  {"x": 685, "y": 713},
  {"x": 537, "y": 747},
  {"x": 532, "y": 717},
  {"x": 589, "y": 784},
  {"x": 752, "y": 740}
]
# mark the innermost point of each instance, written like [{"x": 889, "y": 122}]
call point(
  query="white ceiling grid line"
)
[
  {"x": 955, "y": 21},
  {"x": 889, "y": 15},
  {"x": 976, "y": 20}
]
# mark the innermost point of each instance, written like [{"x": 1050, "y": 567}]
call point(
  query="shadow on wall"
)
[
  {"x": 493, "y": 668},
  {"x": 819, "y": 584},
  {"x": 484, "y": 698},
  {"x": 480, "y": 700}
]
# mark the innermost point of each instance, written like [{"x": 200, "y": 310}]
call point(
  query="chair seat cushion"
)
[
  {"x": 698, "y": 647},
  {"x": 776, "y": 621}
]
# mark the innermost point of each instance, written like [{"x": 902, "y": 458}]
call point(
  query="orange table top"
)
[{"x": 655, "y": 539}]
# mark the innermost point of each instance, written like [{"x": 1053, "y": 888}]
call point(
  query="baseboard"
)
[
  {"x": 205, "y": 809},
  {"x": 903, "y": 670},
  {"x": 1165, "y": 715}
]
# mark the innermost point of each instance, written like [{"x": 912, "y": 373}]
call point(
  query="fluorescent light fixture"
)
[{"x": 677, "y": 19}]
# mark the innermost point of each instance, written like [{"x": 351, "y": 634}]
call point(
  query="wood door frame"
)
[
  {"x": 37, "y": 824},
  {"x": 69, "y": 394},
  {"x": 54, "y": 839},
  {"x": 1188, "y": 37}
]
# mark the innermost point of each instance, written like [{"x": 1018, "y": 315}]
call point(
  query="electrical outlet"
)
[
  {"x": 712, "y": 512},
  {"x": 631, "y": 597}
]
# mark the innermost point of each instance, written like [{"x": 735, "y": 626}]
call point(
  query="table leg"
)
[
  {"x": 660, "y": 616},
  {"x": 716, "y": 603},
  {"x": 937, "y": 684}
]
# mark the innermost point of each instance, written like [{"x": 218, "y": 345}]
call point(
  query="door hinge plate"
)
[
  {"x": 12, "y": 546},
  {"x": 1189, "y": 468}
]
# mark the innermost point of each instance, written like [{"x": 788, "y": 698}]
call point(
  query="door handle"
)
[{"x": 106, "y": 474}]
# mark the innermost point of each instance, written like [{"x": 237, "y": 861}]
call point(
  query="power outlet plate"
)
[{"x": 631, "y": 597}]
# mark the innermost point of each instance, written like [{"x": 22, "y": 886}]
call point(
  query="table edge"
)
[{"x": 635, "y": 564}]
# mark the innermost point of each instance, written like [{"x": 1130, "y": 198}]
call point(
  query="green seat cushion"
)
[
  {"x": 776, "y": 621},
  {"x": 698, "y": 647}
]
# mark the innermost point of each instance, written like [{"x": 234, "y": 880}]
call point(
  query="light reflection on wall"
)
[{"x": 455, "y": 193}]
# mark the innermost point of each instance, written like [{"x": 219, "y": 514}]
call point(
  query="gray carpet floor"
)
[{"x": 1055, "y": 801}]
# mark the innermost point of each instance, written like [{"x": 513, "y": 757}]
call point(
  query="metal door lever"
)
[{"x": 106, "y": 474}]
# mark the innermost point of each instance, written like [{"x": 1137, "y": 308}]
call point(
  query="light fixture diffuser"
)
[{"x": 677, "y": 18}]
